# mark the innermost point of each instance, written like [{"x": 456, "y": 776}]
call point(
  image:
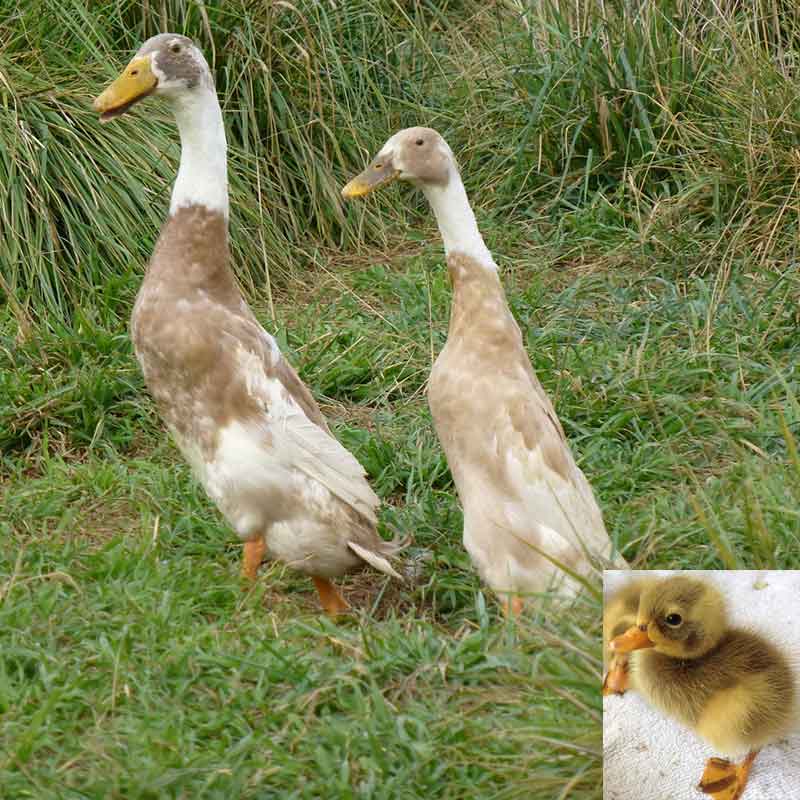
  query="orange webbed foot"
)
[
  {"x": 330, "y": 597},
  {"x": 724, "y": 780}
]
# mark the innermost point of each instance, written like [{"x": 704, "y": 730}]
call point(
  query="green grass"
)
[{"x": 636, "y": 178}]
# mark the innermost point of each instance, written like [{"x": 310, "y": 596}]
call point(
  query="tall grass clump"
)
[
  {"x": 621, "y": 122},
  {"x": 307, "y": 90},
  {"x": 647, "y": 117}
]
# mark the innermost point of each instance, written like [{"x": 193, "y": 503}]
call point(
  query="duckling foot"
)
[
  {"x": 724, "y": 780},
  {"x": 617, "y": 680},
  {"x": 253, "y": 553},
  {"x": 329, "y": 597}
]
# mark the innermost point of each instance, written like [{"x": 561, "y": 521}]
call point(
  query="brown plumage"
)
[
  {"x": 530, "y": 516},
  {"x": 238, "y": 411}
]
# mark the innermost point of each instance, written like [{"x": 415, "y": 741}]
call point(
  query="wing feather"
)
[
  {"x": 299, "y": 442},
  {"x": 542, "y": 469}
]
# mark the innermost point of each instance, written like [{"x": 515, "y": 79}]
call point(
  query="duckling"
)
[
  {"x": 731, "y": 686},
  {"x": 619, "y": 615}
]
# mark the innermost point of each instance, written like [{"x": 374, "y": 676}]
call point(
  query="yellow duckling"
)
[
  {"x": 731, "y": 686},
  {"x": 619, "y": 615}
]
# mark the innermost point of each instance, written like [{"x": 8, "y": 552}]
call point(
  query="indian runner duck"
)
[
  {"x": 731, "y": 686},
  {"x": 250, "y": 429},
  {"x": 528, "y": 509},
  {"x": 619, "y": 615}
]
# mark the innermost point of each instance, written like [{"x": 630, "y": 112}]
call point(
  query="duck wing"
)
[
  {"x": 291, "y": 420},
  {"x": 540, "y": 468}
]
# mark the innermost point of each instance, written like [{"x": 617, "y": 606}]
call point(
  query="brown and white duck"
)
[
  {"x": 528, "y": 508},
  {"x": 239, "y": 413}
]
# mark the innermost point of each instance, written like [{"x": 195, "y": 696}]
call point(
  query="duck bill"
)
[
  {"x": 635, "y": 638},
  {"x": 380, "y": 172},
  {"x": 136, "y": 82}
]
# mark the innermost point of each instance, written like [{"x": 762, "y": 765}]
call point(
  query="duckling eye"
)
[
  {"x": 673, "y": 620},
  {"x": 378, "y": 166},
  {"x": 134, "y": 72},
  {"x": 176, "y": 48},
  {"x": 420, "y": 141}
]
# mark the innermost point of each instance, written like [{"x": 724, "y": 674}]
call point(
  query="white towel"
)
[{"x": 647, "y": 756}]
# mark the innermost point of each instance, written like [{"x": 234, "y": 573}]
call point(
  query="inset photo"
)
[{"x": 701, "y": 685}]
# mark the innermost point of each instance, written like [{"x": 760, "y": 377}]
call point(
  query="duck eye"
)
[
  {"x": 378, "y": 166},
  {"x": 420, "y": 141},
  {"x": 673, "y": 620},
  {"x": 134, "y": 72},
  {"x": 176, "y": 48}
]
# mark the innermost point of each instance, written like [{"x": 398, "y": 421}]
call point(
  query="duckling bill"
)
[{"x": 731, "y": 686}]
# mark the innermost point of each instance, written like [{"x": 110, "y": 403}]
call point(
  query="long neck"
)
[
  {"x": 203, "y": 174},
  {"x": 456, "y": 221}
]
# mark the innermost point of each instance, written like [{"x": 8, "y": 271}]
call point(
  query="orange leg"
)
[
  {"x": 617, "y": 680},
  {"x": 724, "y": 780},
  {"x": 744, "y": 771},
  {"x": 512, "y": 606},
  {"x": 253, "y": 553},
  {"x": 329, "y": 596}
]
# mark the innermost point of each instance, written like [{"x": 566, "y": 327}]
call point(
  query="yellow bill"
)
[
  {"x": 135, "y": 83},
  {"x": 380, "y": 172},
  {"x": 635, "y": 638}
]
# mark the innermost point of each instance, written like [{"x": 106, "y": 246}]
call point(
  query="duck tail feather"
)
[{"x": 373, "y": 559}]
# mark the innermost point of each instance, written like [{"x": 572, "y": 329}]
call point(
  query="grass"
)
[{"x": 635, "y": 175}]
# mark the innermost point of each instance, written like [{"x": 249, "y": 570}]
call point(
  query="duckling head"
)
[{"x": 681, "y": 617}]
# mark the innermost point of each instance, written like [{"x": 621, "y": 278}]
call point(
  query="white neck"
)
[
  {"x": 457, "y": 222},
  {"x": 203, "y": 173}
]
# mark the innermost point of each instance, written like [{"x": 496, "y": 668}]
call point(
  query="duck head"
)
[
  {"x": 168, "y": 64},
  {"x": 680, "y": 617},
  {"x": 417, "y": 155}
]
